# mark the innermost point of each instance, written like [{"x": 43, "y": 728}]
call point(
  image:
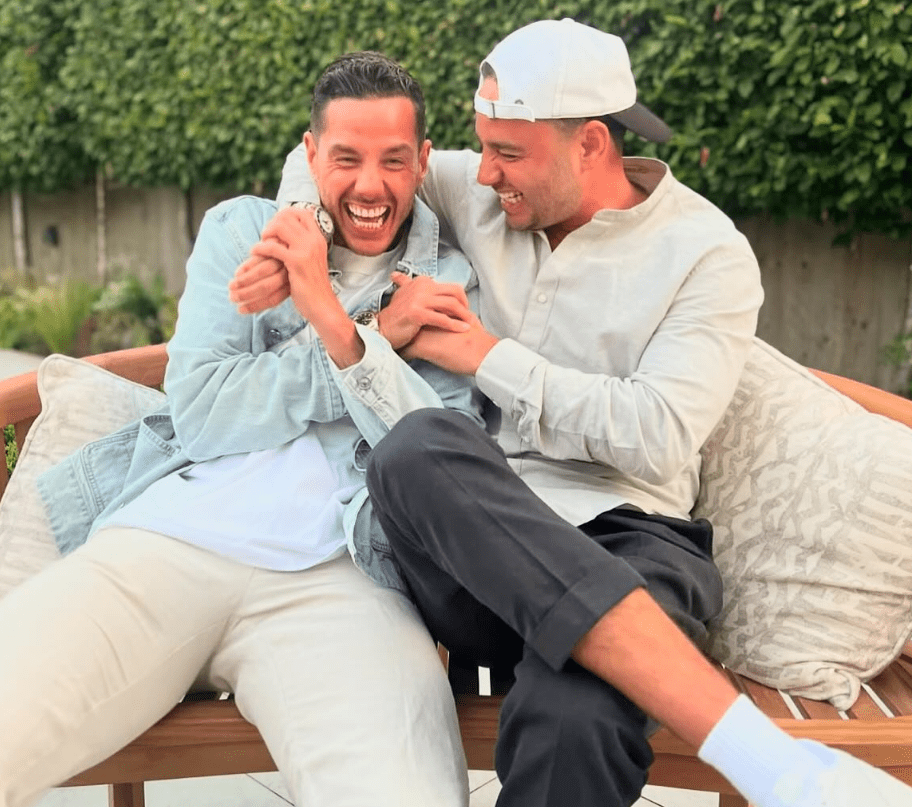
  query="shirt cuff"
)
[
  {"x": 363, "y": 379},
  {"x": 505, "y": 369}
]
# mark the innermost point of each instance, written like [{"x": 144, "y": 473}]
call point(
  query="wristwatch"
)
[
  {"x": 369, "y": 319},
  {"x": 321, "y": 216}
]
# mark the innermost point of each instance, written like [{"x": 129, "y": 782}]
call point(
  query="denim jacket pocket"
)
[
  {"x": 76, "y": 490},
  {"x": 156, "y": 443},
  {"x": 369, "y": 546}
]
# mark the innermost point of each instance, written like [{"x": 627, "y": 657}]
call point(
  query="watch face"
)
[
  {"x": 368, "y": 318},
  {"x": 324, "y": 222}
]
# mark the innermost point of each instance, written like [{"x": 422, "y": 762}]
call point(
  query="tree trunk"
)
[
  {"x": 101, "y": 227},
  {"x": 20, "y": 243}
]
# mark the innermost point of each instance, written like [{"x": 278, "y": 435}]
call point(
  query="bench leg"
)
[
  {"x": 127, "y": 794},
  {"x": 726, "y": 800}
]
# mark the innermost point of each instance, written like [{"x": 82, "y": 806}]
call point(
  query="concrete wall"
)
[
  {"x": 833, "y": 308},
  {"x": 149, "y": 231}
]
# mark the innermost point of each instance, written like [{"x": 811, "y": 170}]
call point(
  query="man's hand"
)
[
  {"x": 262, "y": 282},
  {"x": 461, "y": 352},
  {"x": 259, "y": 284},
  {"x": 422, "y": 302},
  {"x": 293, "y": 242}
]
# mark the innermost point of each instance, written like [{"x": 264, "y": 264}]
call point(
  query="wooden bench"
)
[{"x": 208, "y": 737}]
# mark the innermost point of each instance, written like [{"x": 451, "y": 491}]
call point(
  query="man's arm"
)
[
  {"x": 293, "y": 240},
  {"x": 383, "y": 387},
  {"x": 449, "y": 174},
  {"x": 648, "y": 424},
  {"x": 237, "y": 383}
]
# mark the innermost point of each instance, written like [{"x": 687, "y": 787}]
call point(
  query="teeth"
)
[
  {"x": 510, "y": 198},
  {"x": 368, "y": 218},
  {"x": 367, "y": 212}
]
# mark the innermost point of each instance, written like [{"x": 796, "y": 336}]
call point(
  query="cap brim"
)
[{"x": 642, "y": 122}]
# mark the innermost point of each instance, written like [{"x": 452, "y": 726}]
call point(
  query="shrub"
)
[{"x": 77, "y": 318}]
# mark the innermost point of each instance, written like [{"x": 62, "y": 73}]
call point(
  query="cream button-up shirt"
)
[{"x": 619, "y": 350}]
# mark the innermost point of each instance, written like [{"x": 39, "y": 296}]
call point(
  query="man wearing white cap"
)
[{"x": 616, "y": 311}]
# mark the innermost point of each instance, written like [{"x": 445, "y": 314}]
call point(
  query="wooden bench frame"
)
[{"x": 209, "y": 737}]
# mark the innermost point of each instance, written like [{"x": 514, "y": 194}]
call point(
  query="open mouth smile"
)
[
  {"x": 509, "y": 198},
  {"x": 368, "y": 218}
]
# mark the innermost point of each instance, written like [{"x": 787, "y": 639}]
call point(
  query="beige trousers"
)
[{"x": 339, "y": 674}]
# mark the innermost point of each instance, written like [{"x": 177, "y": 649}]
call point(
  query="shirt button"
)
[
  {"x": 364, "y": 382},
  {"x": 543, "y": 298}
]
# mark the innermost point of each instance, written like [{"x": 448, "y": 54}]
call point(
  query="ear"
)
[
  {"x": 310, "y": 143},
  {"x": 595, "y": 143},
  {"x": 423, "y": 156}
]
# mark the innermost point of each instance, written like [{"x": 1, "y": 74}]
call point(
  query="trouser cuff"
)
[{"x": 579, "y": 608}]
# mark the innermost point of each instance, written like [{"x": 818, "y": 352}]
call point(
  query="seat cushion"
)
[
  {"x": 80, "y": 402},
  {"x": 810, "y": 496}
]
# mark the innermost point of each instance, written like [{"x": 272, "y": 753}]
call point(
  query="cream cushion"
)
[
  {"x": 811, "y": 500},
  {"x": 79, "y": 403}
]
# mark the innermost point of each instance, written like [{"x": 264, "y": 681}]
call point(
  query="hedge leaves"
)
[{"x": 794, "y": 109}]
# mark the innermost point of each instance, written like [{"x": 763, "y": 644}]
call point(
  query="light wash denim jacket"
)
[{"x": 240, "y": 383}]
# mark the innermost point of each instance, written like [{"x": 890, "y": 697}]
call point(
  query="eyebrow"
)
[
  {"x": 401, "y": 151},
  {"x": 500, "y": 145},
  {"x": 343, "y": 149}
]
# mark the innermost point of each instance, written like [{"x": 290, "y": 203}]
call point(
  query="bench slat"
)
[
  {"x": 894, "y": 687},
  {"x": 865, "y": 708},
  {"x": 818, "y": 710},
  {"x": 768, "y": 700}
]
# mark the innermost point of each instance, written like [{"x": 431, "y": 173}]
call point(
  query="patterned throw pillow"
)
[
  {"x": 811, "y": 500},
  {"x": 79, "y": 402}
]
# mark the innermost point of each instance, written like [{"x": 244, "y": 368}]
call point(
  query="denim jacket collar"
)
[{"x": 421, "y": 247}]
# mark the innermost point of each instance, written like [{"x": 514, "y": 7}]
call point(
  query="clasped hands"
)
[{"x": 423, "y": 320}]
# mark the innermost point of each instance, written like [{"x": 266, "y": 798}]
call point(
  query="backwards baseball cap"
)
[{"x": 565, "y": 69}]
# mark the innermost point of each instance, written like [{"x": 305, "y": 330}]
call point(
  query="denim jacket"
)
[{"x": 240, "y": 383}]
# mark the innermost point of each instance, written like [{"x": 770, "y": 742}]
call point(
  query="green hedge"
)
[
  {"x": 796, "y": 109},
  {"x": 39, "y": 135}
]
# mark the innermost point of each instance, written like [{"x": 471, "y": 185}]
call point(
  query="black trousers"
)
[{"x": 504, "y": 581}]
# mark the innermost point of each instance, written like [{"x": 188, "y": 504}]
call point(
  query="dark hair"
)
[
  {"x": 366, "y": 74},
  {"x": 615, "y": 128}
]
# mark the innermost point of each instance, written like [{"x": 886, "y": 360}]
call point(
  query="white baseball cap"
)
[{"x": 565, "y": 69}]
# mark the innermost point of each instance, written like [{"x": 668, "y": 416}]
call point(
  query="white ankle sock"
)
[{"x": 754, "y": 754}]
